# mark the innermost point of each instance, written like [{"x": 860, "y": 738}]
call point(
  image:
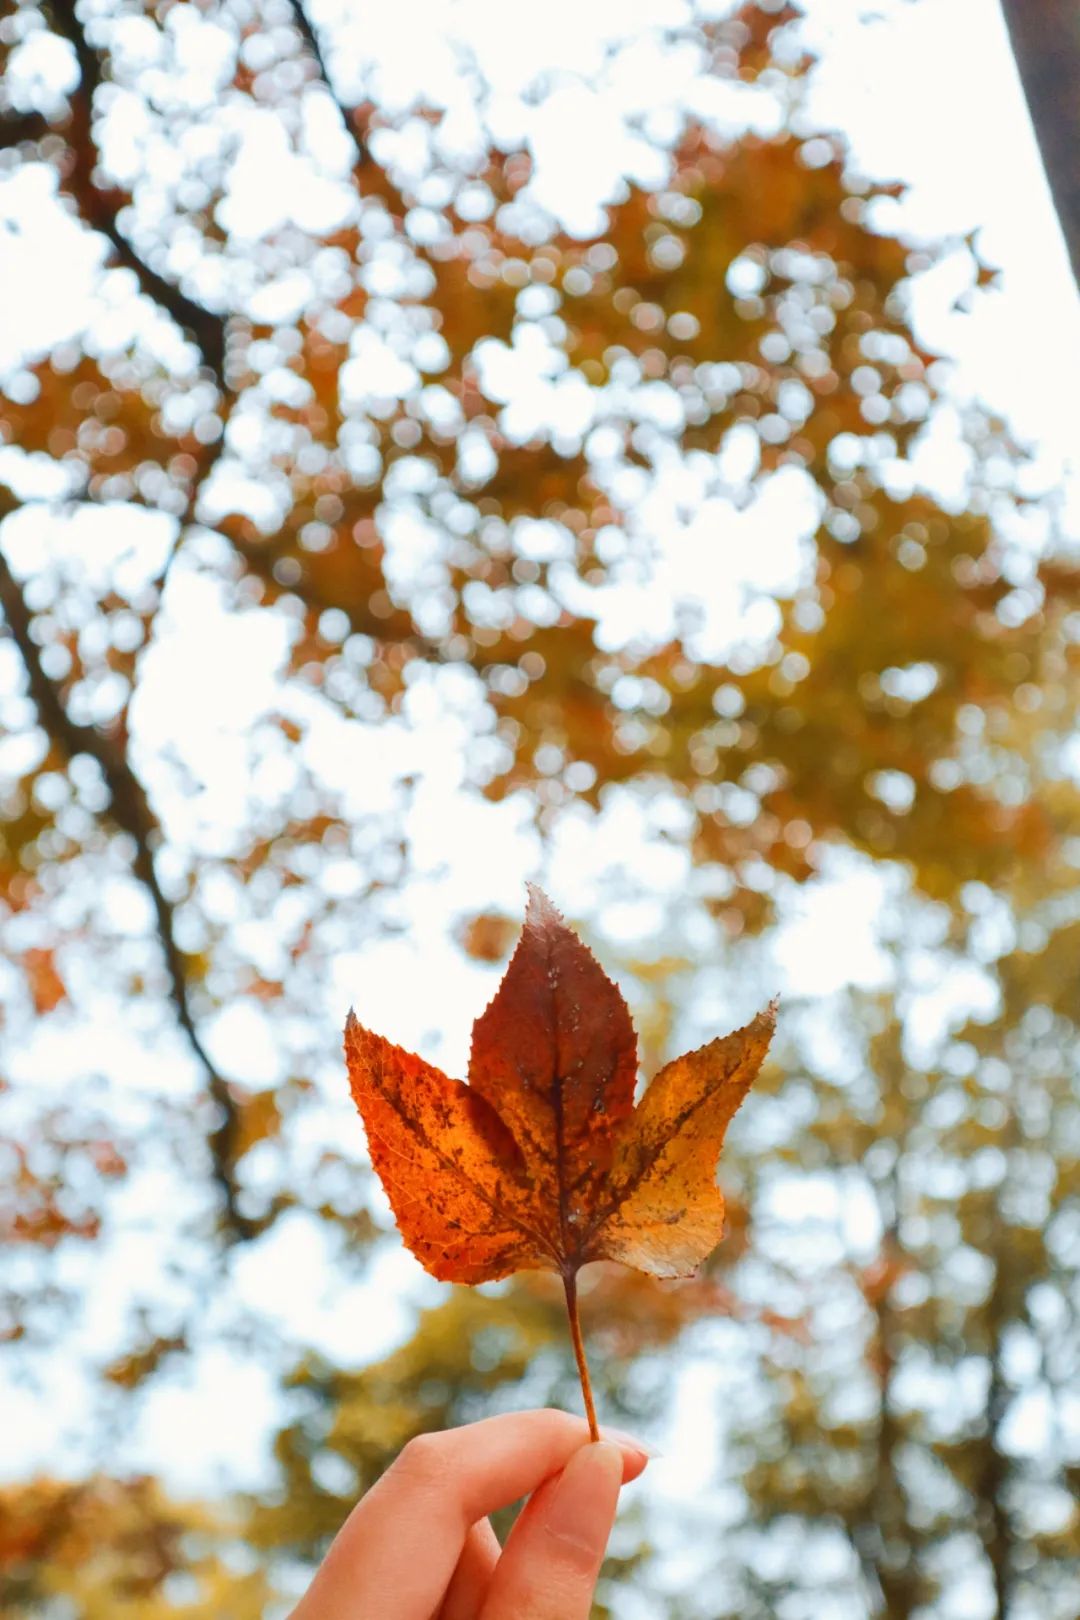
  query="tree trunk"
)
[
  {"x": 887, "y": 1543},
  {"x": 1045, "y": 37}
]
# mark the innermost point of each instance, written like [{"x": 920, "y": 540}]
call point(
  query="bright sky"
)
[{"x": 927, "y": 92}]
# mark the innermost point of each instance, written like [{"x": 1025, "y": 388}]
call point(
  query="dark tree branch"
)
[
  {"x": 994, "y": 1471},
  {"x": 206, "y": 328},
  {"x": 187, "y": 516},
  {"x": 18, "y": 127},
  {"x": 993, "y": 1475},
  {"x": 306, "y": 29},
  {"x": 349, "y": 115},
  {"x": 886, "y": 1526},
  {"x": 130, "y": 810},
  {"x": 1045, "y": 37},
  {"x": 100, "y": 207}
]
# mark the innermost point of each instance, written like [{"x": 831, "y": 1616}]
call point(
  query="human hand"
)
[{"x": 419, "y": 1545}]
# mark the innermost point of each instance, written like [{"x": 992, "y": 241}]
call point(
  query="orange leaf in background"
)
[
  {"x": 47, "y": 988},
  {"x": 542, "y": 1161},
  {"x": 486, "y": 937}
]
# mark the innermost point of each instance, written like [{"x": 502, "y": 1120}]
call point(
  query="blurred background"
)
[{"x": 631, "y": 446}]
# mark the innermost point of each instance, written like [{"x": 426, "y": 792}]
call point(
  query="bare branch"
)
[
  {"x": 100, "y": 207},
  {"x": 311, "y": 40},
  {"x": 18, "y": 127},
  {"x": 131, "y": 811},
  {"x": 307, "y": 32}
]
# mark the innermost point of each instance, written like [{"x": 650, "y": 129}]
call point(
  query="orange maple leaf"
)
[{"x": 542, "y": 1161}]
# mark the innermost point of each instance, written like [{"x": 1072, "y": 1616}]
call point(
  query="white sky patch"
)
[
  {"x": 374, "y": 370},
  {"x": 225, "y": 665},
  {"x": 860, "y": 1218},
  {"x": 50, "y": 267},
  {"x": 612, "y": 865},
  {"x": 1069, "y": 757},
  {"x": 45, "y": 1435},
  {"x": 579, "y": 141},
  {"x": 418, "y": 994},
  {"x": 293, "y": 1275},
  {"x": 282, "y": 299},
  {"x": 300, "y": 195},
  {"x": 208, "y": 1422},
  {"x": 244, "y": 1028},
  {"x": 514, "y": 48},
  {"x": 716, "y": 568},
  {"x": 727, "y": 556},
  {"x": 362, "y": 763},
  {"x": 566, "y": 403},
  {"x": 844, "y": 1206},
  {"x": 945, "y": 995},
  {"x": 692, "y": 1437},
  {"x": 830, "y": 939},
  {"x": 1030, "y": 1425},
  {"x": 210, "y": 675},
  {"x": 729, "y": 107},
  {"x": 502, "y": 831},
  {"x": 812, "y": 1199},
  {"x": 119, "y": 548},
  {"x": 969, "y": 155},
  {"x": 56, "y": 1053}
]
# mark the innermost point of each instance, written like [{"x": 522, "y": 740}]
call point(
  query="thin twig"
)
[
  {"x": 311, "y": 39},
  {"x": 187, "y": 517},
  {"x": 305, "y": 28},
  {"x": 570, "y": 1288},
  {"x": 100, "y": 208}
]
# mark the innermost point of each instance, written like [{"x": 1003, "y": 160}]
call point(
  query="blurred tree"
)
[
  {"x": 926, "y": 1439},
  {"x": 110, "y": 1550},
  {"x": 927, "y": 1429},
  {"x": 429, "y": 440}
]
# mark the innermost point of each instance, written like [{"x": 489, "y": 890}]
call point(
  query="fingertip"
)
[
  {"x": 636, "y": 1454},
  {"x": 607, "y": 1455}
]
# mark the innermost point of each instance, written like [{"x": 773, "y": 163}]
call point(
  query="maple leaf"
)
[{"x": 542, "y": 1161}]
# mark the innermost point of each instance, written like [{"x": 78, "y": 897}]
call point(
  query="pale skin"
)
[{"x": 419, "y": 1545}]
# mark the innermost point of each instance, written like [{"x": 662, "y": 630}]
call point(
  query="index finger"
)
[{"x": 398, "y": 1548}]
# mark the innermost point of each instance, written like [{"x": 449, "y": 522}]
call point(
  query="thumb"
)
[{"x": 554, "y": 1553}]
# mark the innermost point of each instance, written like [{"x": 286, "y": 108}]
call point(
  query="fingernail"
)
[
  {"x": 619, "y": 1437},
  {"x": 583, "y": 1505}
]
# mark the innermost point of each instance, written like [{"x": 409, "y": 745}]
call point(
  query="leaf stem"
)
[{"x": 570, "y": 1287}]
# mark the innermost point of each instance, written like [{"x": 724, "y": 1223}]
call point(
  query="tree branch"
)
[
  {"x": 18, "y": 127},
  {"x": 311, "y": 39},
  {"x": 100, "y": 207},
  {"x": 130, "y": 810},
  {"x": 306, "y": 30},
  {"x": 993, "y": 1469},
  {"x": 886, "y": 1525},
  {"x": 1045, "y": 37}
]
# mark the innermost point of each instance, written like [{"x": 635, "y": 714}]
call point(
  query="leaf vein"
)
[{"x": 454, "y": 1169}]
